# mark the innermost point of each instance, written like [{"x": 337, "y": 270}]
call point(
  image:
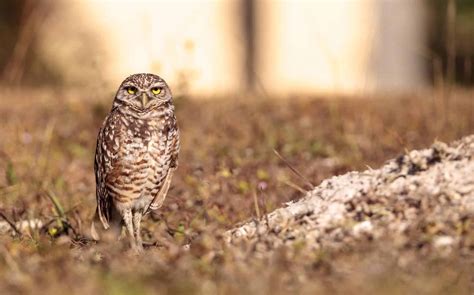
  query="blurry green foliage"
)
[{"x": 10, "y": 174}]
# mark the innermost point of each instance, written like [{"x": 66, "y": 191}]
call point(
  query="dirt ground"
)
[{"x": 229, "y": 174}]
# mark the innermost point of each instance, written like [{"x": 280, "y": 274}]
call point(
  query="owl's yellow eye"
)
[
  {"x": 156, "y": 90},
  {"x": 131, "y": 90}
]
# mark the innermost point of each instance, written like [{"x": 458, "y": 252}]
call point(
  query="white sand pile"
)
[{"x": 421, "y": 200}]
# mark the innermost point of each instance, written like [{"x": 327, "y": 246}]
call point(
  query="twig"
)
[
  {"x": 12, "y": 225},
  {"x": 57, "y": 207},
  {"x": 52, "y": 196},
  {"x": 255, "y": 201},
  {"x": 264, "y": 206},
  {"x": 293, "y": 169},
  {"x": 296, "y": 187}
]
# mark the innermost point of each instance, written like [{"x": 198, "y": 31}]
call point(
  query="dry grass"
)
[{"x": 228, "y": 173}]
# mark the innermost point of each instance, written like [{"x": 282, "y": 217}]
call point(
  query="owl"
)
[{"x": 136, "y": 155}]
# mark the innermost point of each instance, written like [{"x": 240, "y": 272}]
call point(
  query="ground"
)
[
  {"x": 229, "y": 174},
  {"x": 422, "y": 201}
]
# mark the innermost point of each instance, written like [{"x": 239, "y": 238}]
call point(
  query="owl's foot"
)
[{"x": 137, "y": 248}]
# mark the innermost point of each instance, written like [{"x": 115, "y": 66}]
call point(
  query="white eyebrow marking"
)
[{"x": 159, "y": 84}]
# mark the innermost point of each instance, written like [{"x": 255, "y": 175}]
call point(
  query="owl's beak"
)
[{"x": 145, "y": 99}]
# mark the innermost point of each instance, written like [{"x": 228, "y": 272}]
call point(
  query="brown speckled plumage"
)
[{"x": 136, "y": 154}]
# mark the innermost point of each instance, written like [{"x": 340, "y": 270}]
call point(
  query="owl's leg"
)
[
  {"x": 128, "y": 220},
  {"x": 137, "y": 219}
]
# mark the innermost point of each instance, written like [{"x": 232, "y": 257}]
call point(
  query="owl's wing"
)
[
  {"x": 173, "y": 138},
  {"x": 107, "y": 150},
  {"x": 160, "y": 197}
]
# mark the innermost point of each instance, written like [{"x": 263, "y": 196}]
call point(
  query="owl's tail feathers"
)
[
  {"x": 94, "y": 233},
  {"x": 110, "y": 233}
]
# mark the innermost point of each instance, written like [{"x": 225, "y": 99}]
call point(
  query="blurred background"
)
[
  {"x": 216, "y": 47},
  {"x": 331, "y": 85}
]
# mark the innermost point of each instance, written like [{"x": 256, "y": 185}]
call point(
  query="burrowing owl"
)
[{"x": 136, "y": 154}]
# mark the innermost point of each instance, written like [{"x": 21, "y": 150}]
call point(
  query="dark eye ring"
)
[{"x": 131, "y": 89}]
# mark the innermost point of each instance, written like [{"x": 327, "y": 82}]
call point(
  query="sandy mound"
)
[{"x": 421, "y": 200}]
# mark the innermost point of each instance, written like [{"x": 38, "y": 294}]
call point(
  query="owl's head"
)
[{"x": 142, "y": 92}]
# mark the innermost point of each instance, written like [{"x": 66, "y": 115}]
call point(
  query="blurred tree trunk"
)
[
  {"x": 32, "y": 15},
  {"x": 451, "y": 41},
  {"x": 248, "y": 27}
]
